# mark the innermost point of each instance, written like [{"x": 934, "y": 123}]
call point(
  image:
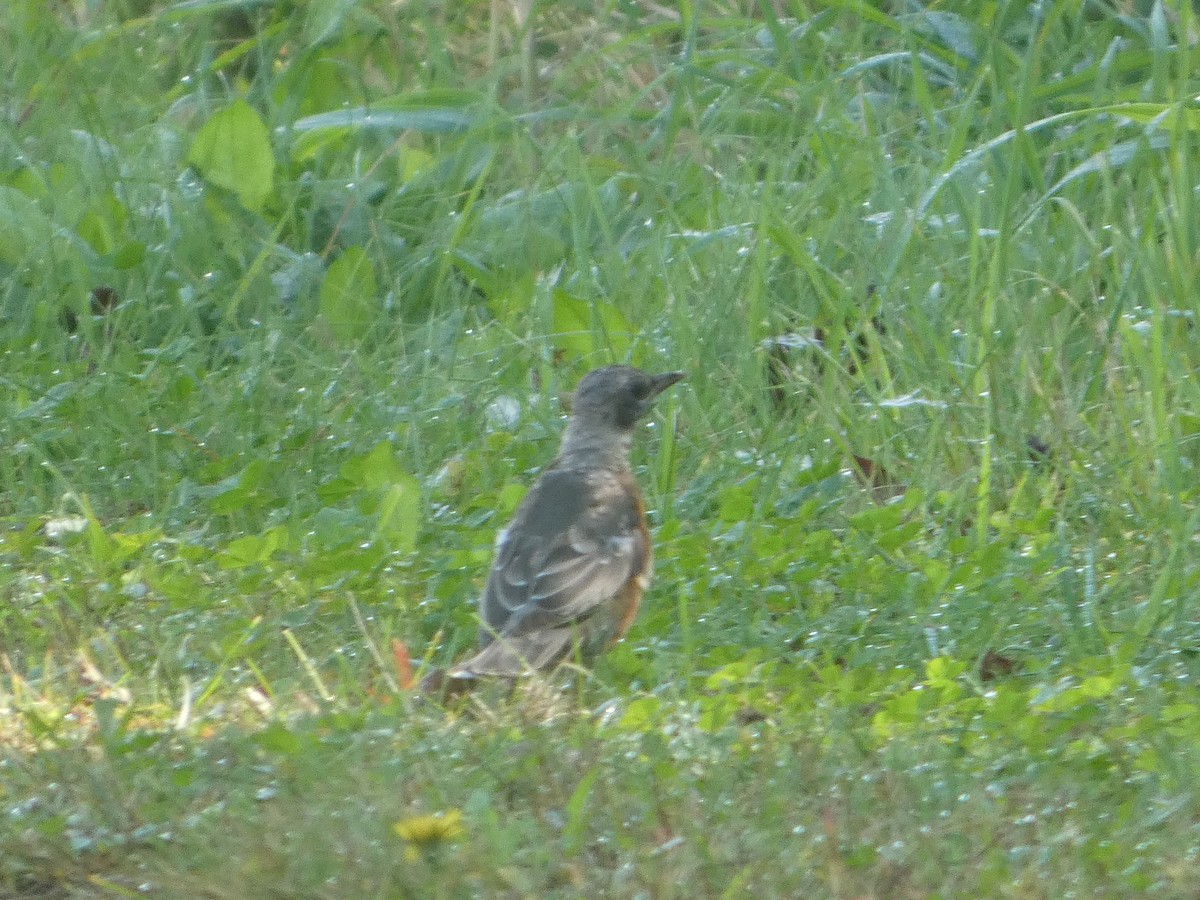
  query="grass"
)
[{"x": 289, "y": 301}]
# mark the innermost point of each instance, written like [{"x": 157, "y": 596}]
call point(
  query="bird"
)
[{"x": 572, "y": 565}]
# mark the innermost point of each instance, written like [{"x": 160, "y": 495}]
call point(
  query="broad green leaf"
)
[
  {"x": 535, "y": 230},
  {"x": 233, "y": 151},
  {"x": 716, "y": 712},
  {"x": 400, "y": 514},
  {"x": 509, "y": 497},
  {"x": 584, "y": 328},
  {"x": 102, "y": 226},
  {"x": 349, "y": 296},
  {"x": 238, "y": 491},
  {"x": 737, "y": 502},
  {"x": 942, "y": 671},
  {"x": 878, "y": 519},
  {"x": 510, "y": 299},
  {"x": 277, "y": 738},
  {"x": 334, "y": 528},
  {"x": 735, "y": 674},
  {"x": 335, "y": 563},
  {"x": 900, "y": 535},
  {"x": 374, "y": 470},
  {"x": 251, "y": 549},
  {"x": 642, "y": 714}
]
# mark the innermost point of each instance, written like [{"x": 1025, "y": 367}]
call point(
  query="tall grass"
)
[{"x": 290, "y": 299}]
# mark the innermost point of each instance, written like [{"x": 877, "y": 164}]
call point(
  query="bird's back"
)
[{"x": 570, "y": 568}]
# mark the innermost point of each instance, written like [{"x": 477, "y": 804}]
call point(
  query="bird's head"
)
[{"x": 616, "y": 397}]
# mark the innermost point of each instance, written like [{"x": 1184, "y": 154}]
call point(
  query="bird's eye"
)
[{"x": 640, "y": 389}]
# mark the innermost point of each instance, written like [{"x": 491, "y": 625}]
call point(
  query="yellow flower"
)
[{"x": 429, "y": 831}]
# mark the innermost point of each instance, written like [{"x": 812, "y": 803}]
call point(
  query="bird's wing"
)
[{"x": 574, "y": 544}]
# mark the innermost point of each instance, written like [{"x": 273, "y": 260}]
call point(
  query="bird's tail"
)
[{"x": 511, "y": 656}]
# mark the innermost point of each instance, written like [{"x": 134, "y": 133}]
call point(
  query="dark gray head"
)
[{"x": 616, "y": 397}]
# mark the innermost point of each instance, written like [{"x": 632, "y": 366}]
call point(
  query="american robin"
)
[{"x": 571, "y": 566}]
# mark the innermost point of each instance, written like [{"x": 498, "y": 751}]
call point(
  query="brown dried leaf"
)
[
  {"x": 404, "y": 670},
  {"x": 878, "y": 480},
  {"x": 996, "y": 665}
]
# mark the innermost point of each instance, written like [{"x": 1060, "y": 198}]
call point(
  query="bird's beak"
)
[{"x": 661, "y": 382}]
